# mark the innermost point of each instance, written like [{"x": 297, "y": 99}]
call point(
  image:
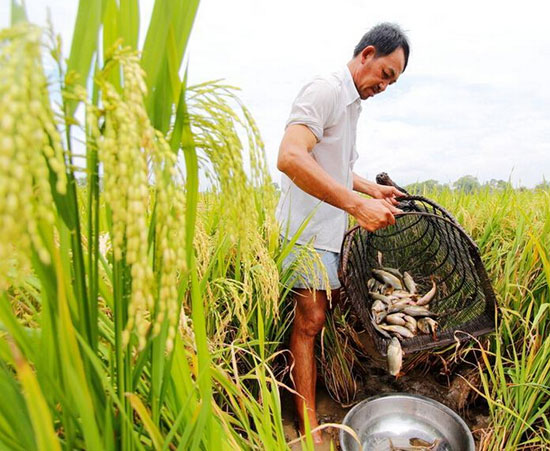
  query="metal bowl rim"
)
[{"x": 451, "y": 412}]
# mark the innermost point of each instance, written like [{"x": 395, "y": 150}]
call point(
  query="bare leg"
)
[{"x": 308, "y": 322}]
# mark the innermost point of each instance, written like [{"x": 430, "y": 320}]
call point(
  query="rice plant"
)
[
  {"x": 512, "y": 229},
  {"x": 136, "y": 313}
]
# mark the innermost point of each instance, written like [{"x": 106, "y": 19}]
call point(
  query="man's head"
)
[{"x": 379, "y": 59}]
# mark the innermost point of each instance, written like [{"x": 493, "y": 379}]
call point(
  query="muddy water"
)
[{"x": 450, "y": 392}]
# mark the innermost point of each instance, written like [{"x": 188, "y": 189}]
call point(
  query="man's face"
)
[{"x": 373, "y": 75}]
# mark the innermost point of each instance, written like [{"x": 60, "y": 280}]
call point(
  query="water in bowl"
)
[{"x": 395, "y": 432}]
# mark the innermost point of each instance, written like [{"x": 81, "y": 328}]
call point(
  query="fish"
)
[
  {"x": 409, "y": 282},
  {"x": 396, "y": 300},
  {"x": 427, "y": 326},
  {"x": 416, "y": 310},
  {"x": 378, "y": 306},
  {"x": 393, "y": 271},
  {"x": 378, "y": 329},
  {"x": 415, "y": 444},
  {"x": 410, "y": 323},
  {"x": 380, "y": 297},
  {"x": 396, "y": 319},
  {"x": 395, "y": 357},
  {"x": 380, "y": 316},
  {"x": 371, "y": 284},
  {"x": 419, "y": 442},
  {"x": 400, "y": 306},
  {"x": 429, "y": 295},
  {"x": 380, "y": 287},
  {"x": 403, "y": 294},
  {"x": 400, "y": 330},
  {"x": 386, "y": 277}
]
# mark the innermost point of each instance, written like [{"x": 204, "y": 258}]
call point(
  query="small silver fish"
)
[
  {"x": 410, "y": 323},
  {"x": 399, "y": 330},
  {"x": 395, "y": 356},
  {"x": 399, "y": 444},
  {"x": 409, "y": 282},
  {"x": 418, "y": 444},
  {"x": 416, "y": 310},
  {"x": 387, "y": 278},
  {"x": 428, "y": 326},
  {"x": 396, "y": 319},
  {"x": 429, "y": 295},
  {"x": 401, "y": 294},
  {"x": 371, "y": 283},
  {"x": 378, "y": 329},
  {"x": 380, "y": 316},
  {"x": 393, "y": 271},
  {"x": 379, "y": 287},
  {"x": 380, "y": 297},
  {"x": 378, "y": 306},
  {"x": 400, "y": 306}
]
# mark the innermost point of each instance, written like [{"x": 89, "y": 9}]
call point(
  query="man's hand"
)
[
  {"x": 388, "y": 193},
  {"x": 373, "y": 214}
]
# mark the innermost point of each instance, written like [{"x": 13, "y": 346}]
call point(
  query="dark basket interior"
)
[{"x": 425, "y": 241}]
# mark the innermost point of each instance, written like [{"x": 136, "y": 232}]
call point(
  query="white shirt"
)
[{"x": 329, "y": 106}]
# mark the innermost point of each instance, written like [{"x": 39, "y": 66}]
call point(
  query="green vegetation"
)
[
  {"x": 512, "y": 229},
  {"x": 468, "y": 184},
  {"x": 135, "y": 313},
  {"x": 138, "y": 313}
]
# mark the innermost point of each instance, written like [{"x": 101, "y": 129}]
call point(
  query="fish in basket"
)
[{"x": 423, "y": 269}]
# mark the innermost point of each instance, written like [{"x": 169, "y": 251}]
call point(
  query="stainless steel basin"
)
[{"x": 394, "y": 421}]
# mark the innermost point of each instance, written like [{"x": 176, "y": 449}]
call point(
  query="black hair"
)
[{"x": 385, "y": 38}]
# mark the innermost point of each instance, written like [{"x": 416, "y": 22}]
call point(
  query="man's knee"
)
[{"x": 311, "y": 321}]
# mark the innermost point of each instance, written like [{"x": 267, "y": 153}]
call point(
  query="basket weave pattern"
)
[{"x": 426, "y": 240}]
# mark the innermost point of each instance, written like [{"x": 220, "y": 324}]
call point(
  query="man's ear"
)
[{"x": 368, "y": 52}]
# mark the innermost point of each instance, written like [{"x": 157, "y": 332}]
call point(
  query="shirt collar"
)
[{"x": 350, "y": 90}]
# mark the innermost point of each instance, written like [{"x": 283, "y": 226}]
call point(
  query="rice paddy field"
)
[{"x": 141, "y": 310}]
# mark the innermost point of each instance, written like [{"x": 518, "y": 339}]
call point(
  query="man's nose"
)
[{"x": 382, "y": 86}]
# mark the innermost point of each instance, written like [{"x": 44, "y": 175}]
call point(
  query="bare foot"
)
[
  {"x": 317, "y": 437},
  {"x": 313, "y": 423}
]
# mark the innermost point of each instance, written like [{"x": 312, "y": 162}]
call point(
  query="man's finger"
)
[
  {"x": 393, "y": 201},
  {"x": 395, "y": 210},
  {"x": 397, "y": 192}
]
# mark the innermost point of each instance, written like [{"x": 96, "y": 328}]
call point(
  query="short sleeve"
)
[{"x": 314, "y": 107}]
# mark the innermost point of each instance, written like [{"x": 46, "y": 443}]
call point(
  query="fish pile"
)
[{"x": 398, "y": 311}]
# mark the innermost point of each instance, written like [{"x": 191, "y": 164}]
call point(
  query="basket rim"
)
[{"x": 449, "y": 219}]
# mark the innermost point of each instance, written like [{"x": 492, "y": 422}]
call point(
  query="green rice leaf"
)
[
  {"x": 18, "y": 12},
  {"x": 39, "y": 411},
  {"x": 84, "y": 43}
]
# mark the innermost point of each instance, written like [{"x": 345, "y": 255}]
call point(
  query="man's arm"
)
[
  {"x": 299, "y": 165},
  {"x": 375, "y": 190}
]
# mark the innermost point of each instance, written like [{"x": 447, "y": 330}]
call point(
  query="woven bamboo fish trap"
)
[{"x": 425, "y": 241}]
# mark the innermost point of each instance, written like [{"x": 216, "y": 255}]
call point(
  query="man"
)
[{"x": 316, "y": 155}]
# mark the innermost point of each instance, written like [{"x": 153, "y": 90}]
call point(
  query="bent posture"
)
[{"x": 316, "y": 156}]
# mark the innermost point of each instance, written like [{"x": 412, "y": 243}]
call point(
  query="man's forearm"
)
[{"x": 363, "y": 185}]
